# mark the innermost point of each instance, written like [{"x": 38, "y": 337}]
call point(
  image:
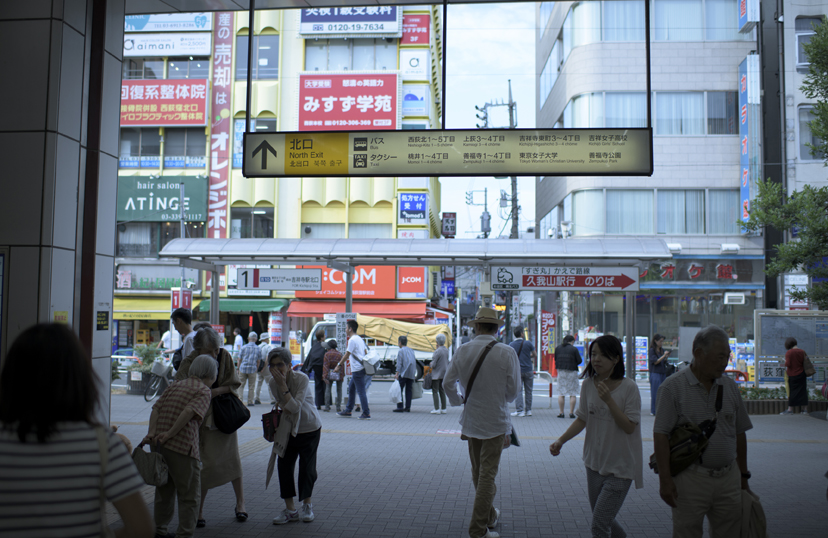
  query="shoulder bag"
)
[
  {"x": 808, "y": 366},
  {"x": 513, "y": 435},
  {"x": 151, "y": 466},
  {"x": 688, "y": 441},
  {"x": 369, "y": 361},
  {"x": 270, "y": 423},
  {"x": 229, "y": 413}
]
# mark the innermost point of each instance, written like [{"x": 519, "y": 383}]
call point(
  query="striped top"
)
[
  {"x": 52, "y": 489},
  {"x": 192, "y": 394},
  {"x": 682, "y": 398},
  {"x": 250, "y": 355}
]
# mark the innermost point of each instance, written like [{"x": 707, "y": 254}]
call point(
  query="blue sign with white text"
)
[
  {"x": 413, "y": 205},
  {"x": 447, "y": 287}
]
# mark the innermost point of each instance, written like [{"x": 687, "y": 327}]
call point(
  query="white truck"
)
[{"x": 381, "y": 335}]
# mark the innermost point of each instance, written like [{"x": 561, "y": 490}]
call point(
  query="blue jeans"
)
[
  {"x": 357, "y": 385},
  {"x": 655, "y": 381},
  {"x": 527, "y": 381}
]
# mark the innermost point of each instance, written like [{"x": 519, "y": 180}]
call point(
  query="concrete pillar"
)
[{"x": 59, "y": 146}]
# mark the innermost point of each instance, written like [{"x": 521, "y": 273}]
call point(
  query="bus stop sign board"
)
[
  {"x": 499, "y": 152},
  {"x": 565, "y": 278}
]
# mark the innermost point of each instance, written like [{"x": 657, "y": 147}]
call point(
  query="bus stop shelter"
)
[{"x": 343, "y": 254}]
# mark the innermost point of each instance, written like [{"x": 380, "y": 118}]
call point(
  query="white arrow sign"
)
[{"x": 280, "y": 279}]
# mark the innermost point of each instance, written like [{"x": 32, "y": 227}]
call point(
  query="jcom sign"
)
[
  {"x": 412, "y": 283},
  {"x": 369, "y": 282}
]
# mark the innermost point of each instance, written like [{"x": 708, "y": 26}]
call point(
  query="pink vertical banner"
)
[{"x": 220, "y": 126}]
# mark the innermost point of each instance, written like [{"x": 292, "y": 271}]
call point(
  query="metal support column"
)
[
  {"x": 215, "y": 291},
  {"x": 628, "y": 323}
]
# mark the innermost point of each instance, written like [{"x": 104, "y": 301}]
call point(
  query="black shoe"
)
[
  {"x": 357, "y": 409},
  {"x": 257, "y": 401},
  {"x": 398, "y": 410},
  {"x": 407, "y": 410},
  {"x": 571, "y": 415},
  {"x": 201, "y": 523},
  {"x": 241, "y": 517},
  {"x": 250, "y": 404}
]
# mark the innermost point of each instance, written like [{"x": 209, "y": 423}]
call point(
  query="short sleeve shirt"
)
[
  {"x": 188, "y": 344},
  {"x": 525, "y": 356},
  {"x": 682, "y": 398},
  {"x": 356, "y": 347},
  {"x": 192, "y": 394}
]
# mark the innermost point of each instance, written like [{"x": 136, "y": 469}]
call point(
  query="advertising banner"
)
[
  {"x": 413, "y": 208},
  {"x": 275, "y": 327},
  {"x": 147, "y": 199},
  {"x": 415, "y": 64},
  {"x": 369, "y": 282},
  {"x": 415, "y": 100},
  {"x": 181, "y": 298},
  {"x": 449, "y": 225},
  {"x": 507, "y": 152},
  {"x": 548, "y": 340},
  {"x": 412, "y": 282},
  {"x": 348, "y": 102},
  {"x": 221, "y": 128},
  {"x": 416, "y": 29},
  {"x": 238, "y": 143},
  {"x": 565, "y": 278},
  {"x": 370, "y": 21},
  {"x": 152, "y": 277},
  {"x": 447, "y": 287},
  {"x": 169, "y": 22},
  {"x": 748, "y": 15},
  {"x": 158, "y": 45},
  {"x": 163, "y": 103},
  {"x": 744, "y": 145}
]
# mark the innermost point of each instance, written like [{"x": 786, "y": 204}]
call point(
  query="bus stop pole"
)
[
  {"x": 349, "y": 292},
  {"x": 628, "y": 322},
  {"x": 215, "y": 288}
]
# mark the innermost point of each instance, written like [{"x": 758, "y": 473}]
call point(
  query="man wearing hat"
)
[{"x": 485, "y": 417}]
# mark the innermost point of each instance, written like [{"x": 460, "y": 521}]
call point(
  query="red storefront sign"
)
[
  {"x": 221, "y": 97},
  {"x": 416, "y": 30},
  {"x": 369, "y": 282},
  {"x": 349, "y": 102},
  {"x": 547, "y": 334},
  {"x": 164, "y": 103},
  {"x": 181, "y": 298},
  {"x": 411, "y": 283}
]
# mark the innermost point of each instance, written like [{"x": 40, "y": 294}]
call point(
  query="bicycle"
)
[{"x": 161, "y": 378}]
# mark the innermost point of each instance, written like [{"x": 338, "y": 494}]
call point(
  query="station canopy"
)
[{"x": 415, "y": 252}]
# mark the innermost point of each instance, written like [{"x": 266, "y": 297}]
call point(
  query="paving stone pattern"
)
[{"x": 395, "y": 476}]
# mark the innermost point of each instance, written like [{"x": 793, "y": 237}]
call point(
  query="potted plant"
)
[
  {"x": 140, "y": 374},
  {"x": 772, "y": 401}
]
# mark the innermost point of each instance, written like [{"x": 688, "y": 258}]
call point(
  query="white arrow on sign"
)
[{"x": 280, "y": 279}]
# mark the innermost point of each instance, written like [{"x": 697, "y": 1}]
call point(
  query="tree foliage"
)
[
  {"x": 806, "y": 211},
  {"x": 816, "y": 88}
]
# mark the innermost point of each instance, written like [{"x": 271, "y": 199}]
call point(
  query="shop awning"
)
[
  {"x": 245, "y": 305},
  {"x": 137, "y": 308},
  {"x": 384, "y": 309}
]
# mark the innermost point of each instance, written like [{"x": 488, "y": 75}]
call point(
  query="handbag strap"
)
[
  {"x": 521, "y": 347},
  {"x": 477, "y": 368},
  {"x": 719, "y": 396}
]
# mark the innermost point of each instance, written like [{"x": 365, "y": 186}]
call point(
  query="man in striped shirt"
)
[
  {"x": 248, "y": 366},
  {"x": 174, "y": 424},
  {"x": 712, "y": 486}
]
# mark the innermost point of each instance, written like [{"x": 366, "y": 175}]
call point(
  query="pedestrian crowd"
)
[{"x": 188, "y": 428}]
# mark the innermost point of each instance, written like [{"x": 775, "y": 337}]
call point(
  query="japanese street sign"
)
[
  {"x": 498, "y": 152},
  {"x": 565, "y": 278},
  {"x": 165, "y": 103},
  {"x": 280, "y": 279},
  {"x": 370, "y": 21},
  {"x": 449, "y": 224},
  {"x": 341, "y": 334},
  {"x": 447, "y": 287}
]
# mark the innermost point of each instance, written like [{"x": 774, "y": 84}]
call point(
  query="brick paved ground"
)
[{"x": 395, "y": 476}]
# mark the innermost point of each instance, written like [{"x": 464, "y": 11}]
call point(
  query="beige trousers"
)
[
  {"x": 485, "y": 460},
  {"x": 720, "y": 499},
  {"x": 185, "y": 483},
  {"x": 250, "y": 380}
]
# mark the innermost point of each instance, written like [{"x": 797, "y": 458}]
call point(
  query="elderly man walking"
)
[
  {"x": 439, "y": 365},
  {"x": 712, "y": 485},
  {"x": 485, "y": 417},
  {"x": 406, "y": 373},
  {"x": 249, "y": 362}
]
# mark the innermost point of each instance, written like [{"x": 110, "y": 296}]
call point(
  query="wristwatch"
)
[{"x": 746, "y": 475}]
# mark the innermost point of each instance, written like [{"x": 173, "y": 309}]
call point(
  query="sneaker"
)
[
  {"x": 442, "y": 411},
  {"x": 250, "y": 404},
  {"x": 786, "y": 412},
  {"x": 522, "y": 414},
  {"x": 497, "y": 519},
  {"x": 344, "y": 414},
  {"x": 528, "y": 413},
  {"x": 515, "y": 413},
  {"x": 307, "y": 513},
  {"x": 357, "y": 409},
  {"x": 491, "y": 534},
  {"x": 286, "y": 517},
  {"x": 327, "y": 408},
  {"x": 435, "y": 412},
  {"x": 363, "y": 416},
  {"x": 257, "y": 401},
  {"x": 398, "y": 410}
]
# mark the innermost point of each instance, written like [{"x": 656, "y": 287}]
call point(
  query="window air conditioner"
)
[{"x": 734, "y": 298}]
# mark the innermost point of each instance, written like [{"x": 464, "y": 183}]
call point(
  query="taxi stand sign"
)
[
  {"x": 280, "y": 279},
  {"x": 565, "y": 278},
  {"x": 474, "y": 152}
]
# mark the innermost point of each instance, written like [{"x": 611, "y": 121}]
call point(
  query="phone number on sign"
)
[{"x": 355, "y": 27}]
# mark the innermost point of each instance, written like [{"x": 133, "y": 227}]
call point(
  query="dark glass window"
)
[
  {"x": 140, "y": 68},
  {"x": 265, "y": 57},
  {"x": 185, "y": 148},
  {"x": 251, "y": 222},
  {"x": 140, "y": 148},
  {"x": 722, "y": 113},
  {"x": 188, "y": 67}
]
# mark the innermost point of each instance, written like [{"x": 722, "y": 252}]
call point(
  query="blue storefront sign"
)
[
  {"x": 413, "y": 208},
  {"x": 748, "y": 15},
  {"x": 447, "y": 287}
]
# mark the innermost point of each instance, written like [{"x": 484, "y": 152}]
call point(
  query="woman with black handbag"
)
[
  {"x": 297, "y": 436},
  {"x": 219, "y": 451}
]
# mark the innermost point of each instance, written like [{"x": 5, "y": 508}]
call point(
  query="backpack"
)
[{"x": 177, "y": 357}]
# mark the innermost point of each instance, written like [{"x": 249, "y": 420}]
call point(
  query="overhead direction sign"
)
[
  {"x": 565, "y": 278},
  {"x": 505, "y": 152},
  {"x": 280, "y": 279}
]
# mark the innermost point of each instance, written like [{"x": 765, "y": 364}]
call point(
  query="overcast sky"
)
[{"x": 487, "y": 45}]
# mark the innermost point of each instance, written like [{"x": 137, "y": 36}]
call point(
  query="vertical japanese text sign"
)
[
  {"x": 220, "y": 123},
  {"x": 744, "y": 144}
]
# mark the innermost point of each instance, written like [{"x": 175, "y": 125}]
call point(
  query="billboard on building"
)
[
  {"x": 149, "y": 199},
  {"x": 415, "y": 100},
  {"x": 172, "y": 44},
  {"x": 164, "y": 103},
  {"x": 363, "y": 100},
  {"x": 416, "y": 29},
  {"x": 413, "y": 208},
  {"x": 369, "y": 282},
  {"x": 415, "y": 64},
  {"x": 169, "y": 22},
  {"x": 749, "y": 135},
  {"x": 364, "y": 21},
  {"x": 412, "y": 282},
  {"x": 748, "y": 15}
]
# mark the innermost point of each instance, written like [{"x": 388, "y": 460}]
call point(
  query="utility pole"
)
[
  {"x": 512, "y": 125},
  {"x": 485, "y": 217}
]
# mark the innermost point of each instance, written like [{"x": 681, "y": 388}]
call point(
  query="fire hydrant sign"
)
[
  {"x": 280, "y": 279},
  {"x": 565, "y": 278},
  {"x": 505, "y": 152}
]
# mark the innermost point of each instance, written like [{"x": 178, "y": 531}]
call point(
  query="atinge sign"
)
[
  {"x": 547, "y": 331},
  {"x": 416, "y": 29},
  {"x": 369, "y": 282},
  {"x": 364, "y": 100},
  {"x": 164, "y": 103},
  {"x": 412, "y": 282}
]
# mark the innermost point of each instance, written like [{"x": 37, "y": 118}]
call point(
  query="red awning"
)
[{"x": 381, "y": 309}]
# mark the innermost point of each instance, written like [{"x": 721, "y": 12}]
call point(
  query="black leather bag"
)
[{"x": 229, "y": 413}]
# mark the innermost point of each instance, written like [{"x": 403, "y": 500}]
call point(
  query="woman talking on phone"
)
[{"x": 657, "y": 360}]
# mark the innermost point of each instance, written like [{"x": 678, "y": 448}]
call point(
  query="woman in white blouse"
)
[
  {"x": 610, "y": 410},
  {"x": 296, "y": 437}
]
